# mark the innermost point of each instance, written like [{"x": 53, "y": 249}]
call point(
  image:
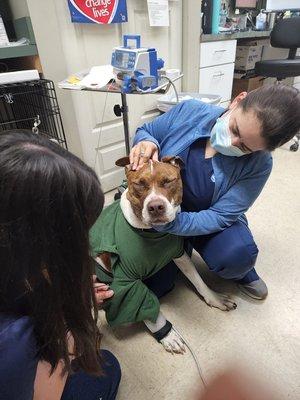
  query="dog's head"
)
[{"x": 155, "y": 190}]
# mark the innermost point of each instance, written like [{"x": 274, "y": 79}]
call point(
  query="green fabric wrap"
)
[{"x": 136, "y": 255}]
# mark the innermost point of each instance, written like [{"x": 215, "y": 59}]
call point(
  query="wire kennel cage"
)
[{"x": 32, "y": 105}]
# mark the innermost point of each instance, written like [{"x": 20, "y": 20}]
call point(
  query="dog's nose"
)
[{"x": 156, "y": 208}]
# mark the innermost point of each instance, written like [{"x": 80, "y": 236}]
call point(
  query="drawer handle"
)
[
  {"x": 219, "y": 74},
  {"x": 220, "y": 51}
]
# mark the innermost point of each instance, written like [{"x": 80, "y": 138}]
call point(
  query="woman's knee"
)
[
  {"x": 234, "y": 263},
  {"x": 230, "y": 253}
]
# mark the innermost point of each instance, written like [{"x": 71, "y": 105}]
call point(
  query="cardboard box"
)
[
  {"x": 247, "y": 55},
  {"x": 245, "y": 85}
]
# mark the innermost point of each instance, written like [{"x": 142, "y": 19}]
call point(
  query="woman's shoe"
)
[{"x": 256, "y": 290}]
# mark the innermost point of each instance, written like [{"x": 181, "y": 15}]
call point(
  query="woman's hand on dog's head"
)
[{"x": 142, "y": 153}]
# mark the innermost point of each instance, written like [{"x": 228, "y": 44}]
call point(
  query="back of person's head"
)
[
  {"x": 278, "y": 109},
  {"x": 49, "y": 199}
]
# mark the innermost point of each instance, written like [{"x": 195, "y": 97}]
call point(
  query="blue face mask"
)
[{"x": 220, "y": 138}]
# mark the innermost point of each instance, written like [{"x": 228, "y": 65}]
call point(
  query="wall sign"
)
[{"x": 98, "y": 11}]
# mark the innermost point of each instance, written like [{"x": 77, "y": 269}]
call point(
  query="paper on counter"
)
[
  {"x": 98, "y": 77},
  {"x": 158, "y": 11},
  {"x": 21, "y": 42},
  {"x": 3, "y": 35},
  {"x": 73, "y": 81}
]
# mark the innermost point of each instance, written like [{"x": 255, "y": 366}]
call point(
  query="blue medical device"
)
[{"x": 136, "y": 66}]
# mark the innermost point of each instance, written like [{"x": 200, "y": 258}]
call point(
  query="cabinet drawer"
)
[
  {"x": 216, "y": 53},
  {"x": 217, "y": 80}
]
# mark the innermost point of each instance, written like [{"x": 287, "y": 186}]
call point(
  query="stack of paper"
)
[{"x": 96, "y": 78}]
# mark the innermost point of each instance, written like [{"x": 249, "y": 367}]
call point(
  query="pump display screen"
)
[{"x": 122, "y": 59}]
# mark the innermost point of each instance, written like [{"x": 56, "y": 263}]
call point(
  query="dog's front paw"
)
[
  {"x": 173, "y": 343},
  {"x": 221, "y": 301}
]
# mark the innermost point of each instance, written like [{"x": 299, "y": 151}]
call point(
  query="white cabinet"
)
[
  {"x": 217, "y": 53},
  {"x": 217, "y": 80},
  {"x": 217, "y": 68}
]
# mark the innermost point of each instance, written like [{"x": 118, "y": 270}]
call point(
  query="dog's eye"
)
[
  {"x": 167, "y": 182},
  {"x": 139, "y": 184}
]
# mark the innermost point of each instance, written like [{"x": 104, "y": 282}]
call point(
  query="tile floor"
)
[{"x": 261, "y": 336}]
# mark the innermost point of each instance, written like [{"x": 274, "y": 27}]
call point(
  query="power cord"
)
[
  {"x": 156, "y": 89},
  {"x": 194, "y": 357},
  {"x": 174, "y": 87}
]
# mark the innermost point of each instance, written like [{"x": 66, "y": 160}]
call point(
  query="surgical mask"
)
[{"x": 220, "y": 138}]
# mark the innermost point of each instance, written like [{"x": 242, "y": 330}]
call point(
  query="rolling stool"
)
[{"x": 285, "y": 35}]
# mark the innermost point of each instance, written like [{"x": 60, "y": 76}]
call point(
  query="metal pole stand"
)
[
  {"x": 118, "y": 110},
  {"x": 123, "y": 110}
]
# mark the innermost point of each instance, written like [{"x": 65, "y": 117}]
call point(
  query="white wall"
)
[
  {"x": 19, "y": 8},
  {"x": 65, "y": 48},
  {"x": 191, "y": 44},
  {"x": 53, "y": 59}
]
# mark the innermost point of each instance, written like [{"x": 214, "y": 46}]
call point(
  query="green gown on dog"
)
[{"x": 136, "y": 255}]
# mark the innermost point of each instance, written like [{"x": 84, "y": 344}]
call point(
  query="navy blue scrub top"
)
[
  {"x": 18, "y": 357},
  {"x": 197, "y": 177}
]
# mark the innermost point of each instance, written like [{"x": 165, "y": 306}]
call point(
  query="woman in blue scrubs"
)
[{"x": 227, "y": 157}]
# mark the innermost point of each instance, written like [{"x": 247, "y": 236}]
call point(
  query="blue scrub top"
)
[
  {"x": 238, "y": 180},
  {"x": 18, "y": 357},
  {"x": 197, "y": 177}
]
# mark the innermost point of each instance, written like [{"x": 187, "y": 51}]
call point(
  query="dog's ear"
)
[
  {"x": 174, "y": 160},
  {"x": 125, "y": 163},
  {"x": 122, "y": 162}
]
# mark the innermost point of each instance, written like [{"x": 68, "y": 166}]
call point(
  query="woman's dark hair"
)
[
  {"x": 49, "y": 199},
  {"x": 278, "y": 109}
]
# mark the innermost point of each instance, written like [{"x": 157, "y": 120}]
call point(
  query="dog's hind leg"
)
[
  {"x": 213, "y": 299},
  {"x": 164, "y": 333}
]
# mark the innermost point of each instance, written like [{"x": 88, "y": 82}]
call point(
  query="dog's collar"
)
[
  {"x": 148, "y": 233},
  {"x": 149, "y": 230}
]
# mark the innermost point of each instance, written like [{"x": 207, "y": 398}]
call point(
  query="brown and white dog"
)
[{"x": 153, "y": 197}]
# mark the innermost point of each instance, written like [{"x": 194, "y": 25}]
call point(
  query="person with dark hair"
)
[
  {"x": 227, "y": 163},
  {"x": 49, "y": 339}
]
